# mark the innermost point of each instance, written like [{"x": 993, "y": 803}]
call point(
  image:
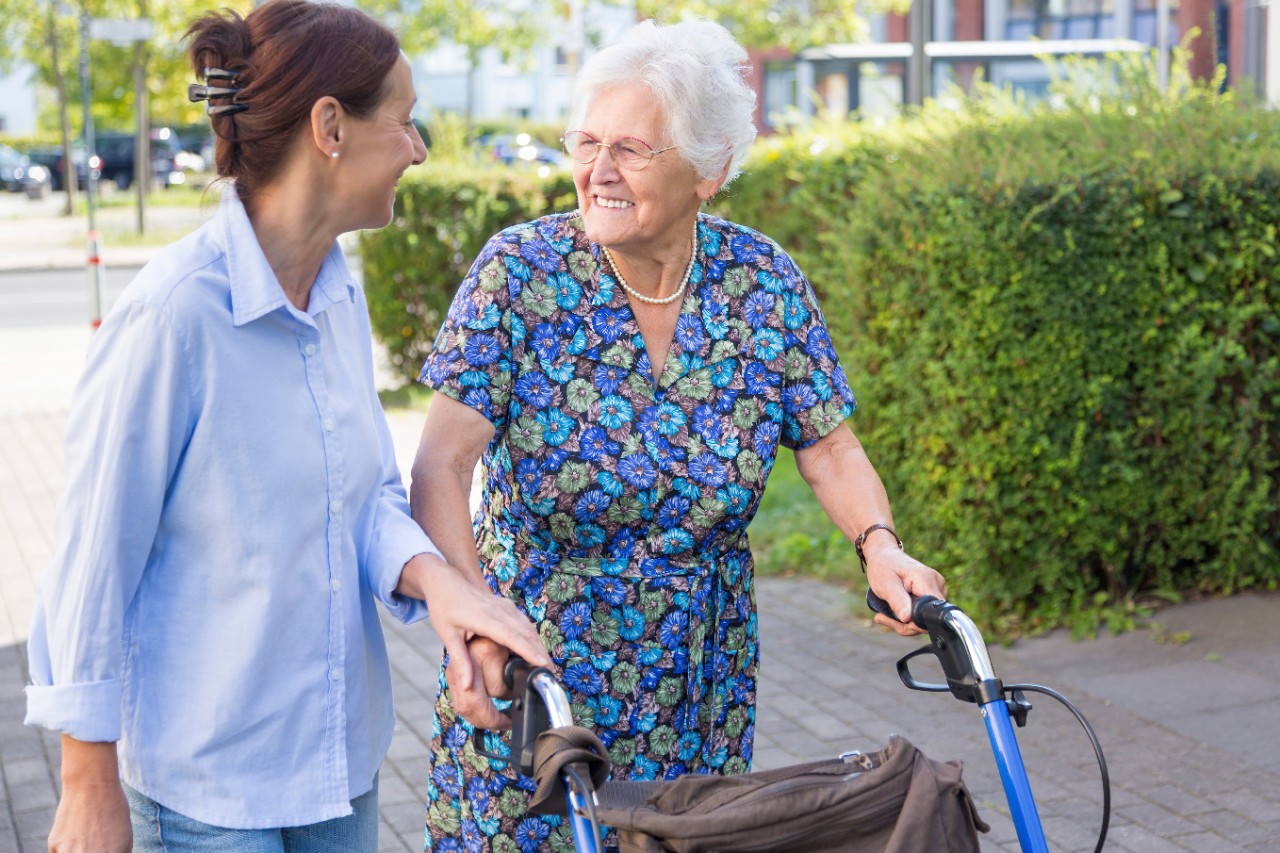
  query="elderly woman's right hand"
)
[
  {"x": 473, "y": 700},
  {"x": 479, "y": 630}
]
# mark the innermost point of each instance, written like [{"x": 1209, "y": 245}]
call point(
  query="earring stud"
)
[{"x": 333, "y": 154}]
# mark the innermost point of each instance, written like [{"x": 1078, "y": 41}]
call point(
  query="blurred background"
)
[{"x": 1043, "y": 231}]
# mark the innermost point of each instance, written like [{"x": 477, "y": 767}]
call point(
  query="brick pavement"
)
[{"x": 828, "y": 685}]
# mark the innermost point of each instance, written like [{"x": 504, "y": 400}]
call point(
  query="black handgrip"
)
[
  {"x": 516, "y": 669},
  {"x": 528, "y": 717},
  {"x": 925, "y": 609}
]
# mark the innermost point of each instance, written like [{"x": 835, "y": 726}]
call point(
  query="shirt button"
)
[
  {"x": 337, "y": 673},
  {"x": 328, "y": 424},
  {"x": 309, "y": 349},
  {"x": 335, "y": 585},
  {"x": 336, "y": 505}
]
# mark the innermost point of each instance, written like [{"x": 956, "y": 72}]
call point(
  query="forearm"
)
[
  {"x": 453, "y": 438},
  {"x": 847, "y": 487},
  {"x": 89, "y": 764},
  {"x": 92, "y": 812},
  {"x": 850, "y": 492},
  {"x": 440, "y": 500}
]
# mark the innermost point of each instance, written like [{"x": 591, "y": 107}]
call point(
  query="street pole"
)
[
  {"x": 142, "y": 149},
  {"x": 919, "y": 30},
  {"x": 1271, "y": 65},
  {"x": 1162, "y": 44},
  {"x": 97, "y": 275}
]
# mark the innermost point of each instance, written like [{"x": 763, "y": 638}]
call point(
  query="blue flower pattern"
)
[{"x": 616, "y": 501}]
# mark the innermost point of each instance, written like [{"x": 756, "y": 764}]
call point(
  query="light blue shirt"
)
[{"x": 233, "y": 512}]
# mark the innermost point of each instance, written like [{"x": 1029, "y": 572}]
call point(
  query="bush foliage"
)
[
  {"x": 446, "y": 213},
  {"x": 1062, "y": 323}
]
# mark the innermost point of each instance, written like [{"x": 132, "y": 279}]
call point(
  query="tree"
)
[
  {"x": 792, "y": 24},
  {"x": 42, "y": 36},
  {"x": 513, "y": 27},
  {"x": 144, "y": 78}
]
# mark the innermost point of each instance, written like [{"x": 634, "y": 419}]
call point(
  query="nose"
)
[
  {"x": 419, "y": 147},
  {"x": 604, "y": 169}
]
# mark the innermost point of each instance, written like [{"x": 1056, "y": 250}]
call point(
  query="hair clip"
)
[
  {"x": 198, "y": 92},
  {"x": 202, "y": 92},
  {"x": 226, "y": 109},
  {"x": 220, "y": 74}
]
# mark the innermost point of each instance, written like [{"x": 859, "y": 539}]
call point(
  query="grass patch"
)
[
  {"x": 191, "y": 194},
  {"x": 411, "y": 395},
  {"x": 791, "y": 535},
  {"x": 112, "y": 237}
]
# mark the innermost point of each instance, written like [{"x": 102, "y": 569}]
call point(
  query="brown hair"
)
[{"x": 286, "y": 55}]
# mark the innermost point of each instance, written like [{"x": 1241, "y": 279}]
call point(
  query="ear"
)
[
  {"x": 327, "y": 118},
  {"x": 708, "y": 187}
]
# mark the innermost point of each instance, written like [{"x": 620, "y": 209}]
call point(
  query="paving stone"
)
[{"x": 827, "y": 685}]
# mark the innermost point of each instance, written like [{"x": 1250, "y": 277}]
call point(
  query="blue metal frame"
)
[
  {"x": 995, "y": 712},
  {"x": 560, "y": 714},
  {"x": 1013, "y": 773}
]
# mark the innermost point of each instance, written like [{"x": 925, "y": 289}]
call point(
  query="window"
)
[
  {"x": 1059, "y": 19},
  {"x": 780, "y": 93}
]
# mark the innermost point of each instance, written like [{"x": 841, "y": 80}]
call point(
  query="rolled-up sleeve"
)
[{"x": 125, "y": 435}]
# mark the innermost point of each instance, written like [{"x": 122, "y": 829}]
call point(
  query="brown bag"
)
[{"x": 895, "y": 800}]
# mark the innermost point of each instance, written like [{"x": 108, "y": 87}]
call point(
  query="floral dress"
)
[{"x": 615, "y": 507}]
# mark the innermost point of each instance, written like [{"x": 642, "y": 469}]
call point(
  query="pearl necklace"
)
[{"x": 665, "y": 300}]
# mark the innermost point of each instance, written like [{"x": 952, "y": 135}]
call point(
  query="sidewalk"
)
[
  {"x": 37, "y": 237},
  {"x": 1191, "y": 729}
]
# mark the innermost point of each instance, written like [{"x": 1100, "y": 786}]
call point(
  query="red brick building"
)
[{"x": 871, "y": 77}]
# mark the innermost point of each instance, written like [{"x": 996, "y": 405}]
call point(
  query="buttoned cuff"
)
[
  {"x": 398, "y": 543},
  {"x": 88, "y": 712}
]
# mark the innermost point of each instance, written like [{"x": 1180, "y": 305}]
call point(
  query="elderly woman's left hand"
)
[{"x": 895, "y": 576}]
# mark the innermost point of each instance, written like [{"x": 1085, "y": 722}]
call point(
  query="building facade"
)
[
  {"x": 967, "y": 35},
  {"x": 534, "y": 87}
]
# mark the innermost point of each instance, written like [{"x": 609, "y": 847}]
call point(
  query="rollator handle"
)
[
  {"x": 957, "y": 644},
  {"x": 528, "y": 712},
  {"x": 923, "y": 609}
]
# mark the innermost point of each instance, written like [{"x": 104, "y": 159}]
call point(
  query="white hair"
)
[{"x": 695, "y": 70}]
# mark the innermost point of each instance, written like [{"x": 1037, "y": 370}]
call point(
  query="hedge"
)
[
  {"x": 445, "y": 213},
  {"x": 1061, "y": 324}
]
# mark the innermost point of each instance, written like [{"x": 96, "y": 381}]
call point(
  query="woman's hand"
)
[
  {"x": 895, "y": 576},
  {"x": 93, "y": 815},
  {"x": 463, "y": 614},
  {"x": 473, "y": 700}
]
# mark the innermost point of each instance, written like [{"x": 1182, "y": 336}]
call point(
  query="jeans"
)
[{"x": 157, "y": 829}]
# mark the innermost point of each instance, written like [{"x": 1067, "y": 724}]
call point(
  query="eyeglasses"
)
[{"x": 628, "y": 152}]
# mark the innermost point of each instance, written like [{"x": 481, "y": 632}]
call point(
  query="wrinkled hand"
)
[
  {"x": 92, "y": 818},
  {"x": 472, "y": 700},
  {"x": 895, "y": 576}
]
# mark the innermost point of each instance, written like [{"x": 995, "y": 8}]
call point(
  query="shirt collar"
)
[{"x": 255, "y": 291}]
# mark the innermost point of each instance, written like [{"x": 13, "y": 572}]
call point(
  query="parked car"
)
[
  {"x": 514, "y": 149},
  {"x": 13, "y": 168},
  {"x": 117, "y": 151},
  {"x": 52, "y": 160},
  {"x": 38, "y": 181}
]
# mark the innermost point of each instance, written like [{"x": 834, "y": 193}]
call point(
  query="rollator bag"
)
[{"x": 896, "y": 800}]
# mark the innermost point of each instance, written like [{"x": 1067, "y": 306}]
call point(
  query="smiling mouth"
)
[{"x": 614, "y": 203}]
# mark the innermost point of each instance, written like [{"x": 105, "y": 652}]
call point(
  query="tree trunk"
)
[
  {"x": 142, "y": 148},
  {"x": 473, "y": 62},
  {"x": 60, "y": 84}
]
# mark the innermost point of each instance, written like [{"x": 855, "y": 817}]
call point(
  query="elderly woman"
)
[
  {"x": 628, "y": 372},
  {"x": 208, "y": 630}
]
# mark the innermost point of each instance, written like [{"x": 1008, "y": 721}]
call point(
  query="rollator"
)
[{"x": 895, "y": 799}]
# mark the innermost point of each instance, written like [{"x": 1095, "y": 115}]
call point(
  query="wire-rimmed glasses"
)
[{"x": 628, "y": 152}]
